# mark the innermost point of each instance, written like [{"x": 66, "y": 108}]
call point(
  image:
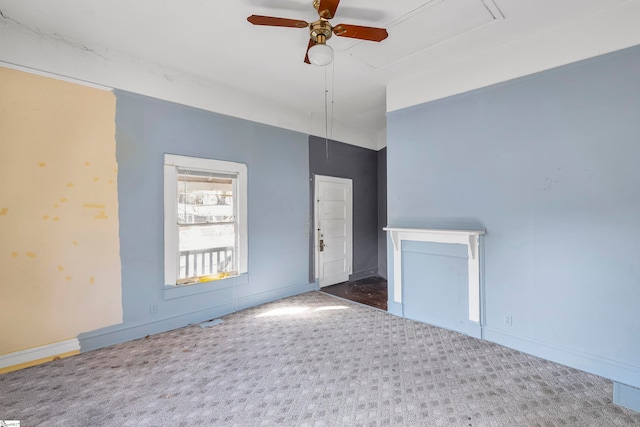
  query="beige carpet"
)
[{"x": 309, "y": 360}]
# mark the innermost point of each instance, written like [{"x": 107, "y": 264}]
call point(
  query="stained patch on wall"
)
[{"x": 59, "y": 252}]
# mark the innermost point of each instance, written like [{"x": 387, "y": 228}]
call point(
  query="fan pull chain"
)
[
  {"x": 328, "y": 123},
  {"x": 326, "y": 116},
  {"x": 333, "y": 93}
]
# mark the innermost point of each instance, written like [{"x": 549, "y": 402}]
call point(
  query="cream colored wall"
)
[{"x": 59, "y": 244}]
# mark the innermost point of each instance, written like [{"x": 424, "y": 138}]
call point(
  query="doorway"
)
[
  {"x": 333, "y": 212},
  {"x": 371, "y": 291}
]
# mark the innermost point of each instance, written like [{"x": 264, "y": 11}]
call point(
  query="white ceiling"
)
[{"x": 204, "y": 52}]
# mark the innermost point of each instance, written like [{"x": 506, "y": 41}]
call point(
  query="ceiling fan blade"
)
[
  {"x": 362, "y": 33},
  {"x": 277, "y": 22},
  {"x": 327, "y": 8},
  {"x": 306, "y": 57}
]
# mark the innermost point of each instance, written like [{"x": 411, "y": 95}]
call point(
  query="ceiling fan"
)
[{"x": 318, "y": 52}]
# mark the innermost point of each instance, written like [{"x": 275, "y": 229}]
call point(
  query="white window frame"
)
[{"x": 171, "y": 250}]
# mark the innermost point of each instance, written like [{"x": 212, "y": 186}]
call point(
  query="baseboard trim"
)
[
  {"x": 395, "y": 308},
  {"x": 122, "y": 333},
  {"x": 101, "y": 338},
  {"x": 363, "y": 275},
  {"x": 626, "y": 396},
  {"x": 470, "y": 328},
  {"x": 37, "y": 355},
  {"x": 607, "y": 368},
  {"x": 274, "y": 294}
]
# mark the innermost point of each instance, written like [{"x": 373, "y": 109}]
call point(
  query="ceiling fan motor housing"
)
[{"x": 321, "y": 31}]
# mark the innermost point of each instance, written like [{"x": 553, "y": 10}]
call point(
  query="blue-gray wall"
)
[
  {"x": 549, "y": 165},
  {"x": 278, "y": 196},
  {"x": 333, "y": 158}
]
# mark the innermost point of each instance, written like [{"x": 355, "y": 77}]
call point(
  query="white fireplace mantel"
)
[{"x": 470, "y": 238}]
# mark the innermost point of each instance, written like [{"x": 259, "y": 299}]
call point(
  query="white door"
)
[{"x": 334, "y": 224}]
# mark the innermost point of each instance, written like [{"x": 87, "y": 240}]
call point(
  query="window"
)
[{"x": 205, "y": 219}]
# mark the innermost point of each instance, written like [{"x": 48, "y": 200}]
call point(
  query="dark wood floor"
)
[{"x": 370, "y": 291}]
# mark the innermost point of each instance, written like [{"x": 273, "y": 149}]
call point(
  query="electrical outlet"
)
[
  {"x": 153, "y": 308},
  {"x": 508, "y": 320}
]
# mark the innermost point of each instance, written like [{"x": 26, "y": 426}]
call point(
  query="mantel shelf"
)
[{"x": 437, "y": 231}]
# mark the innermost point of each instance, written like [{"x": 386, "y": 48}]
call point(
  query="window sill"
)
[{"x": 180, "y": 291}]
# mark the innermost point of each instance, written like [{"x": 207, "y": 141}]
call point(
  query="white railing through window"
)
[{"x": 205, "y": 262}]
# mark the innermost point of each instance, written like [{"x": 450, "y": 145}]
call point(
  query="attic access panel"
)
[{"x": 434, "y": 22}]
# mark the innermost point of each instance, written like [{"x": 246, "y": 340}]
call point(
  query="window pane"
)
[
  {"x": 204, "y": 198},
  {"x": 206, "y": 236},
  {"x": 206, "y": 224}
]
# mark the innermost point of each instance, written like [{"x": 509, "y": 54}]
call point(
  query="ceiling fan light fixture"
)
[{"x": 320, "y": 54}]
